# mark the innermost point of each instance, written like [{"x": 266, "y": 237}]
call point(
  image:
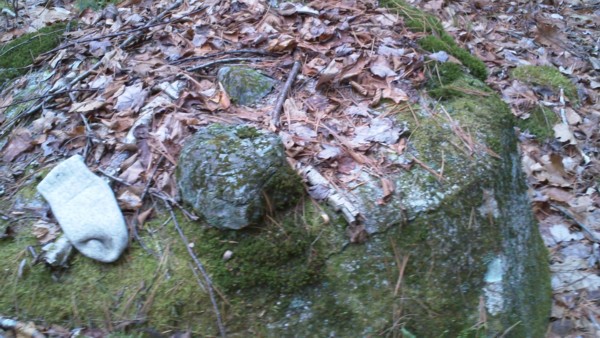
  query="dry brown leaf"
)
[
  {"x": 133, "y": 97},
  {"x": 564, "y": 134},
  {"x": 20, "y": 141}
]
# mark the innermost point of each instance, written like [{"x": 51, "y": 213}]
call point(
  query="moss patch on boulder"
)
[
  {"x": 16, "y": 55},
  {"x": 159, "y": 290},
  {"x": 540, "y": 122},
  {"x": 546, "y": 76}
]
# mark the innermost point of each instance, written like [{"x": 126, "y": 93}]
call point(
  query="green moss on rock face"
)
[
  {"x": 245, "y": 86},
  {"x": 16, "y": 55},
  {"x": 546, "y": 76},
  {"x": 539, "y": 123}
]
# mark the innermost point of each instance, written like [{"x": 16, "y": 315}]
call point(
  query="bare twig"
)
[
  {"x": 200, "y": 266},
  {"x": 582, "y": 226},
  {"x": 276, "y": 113},
  {"x": 116, "y": 179},
  {"x": 217, "y": 54},
  {"x": 216, "y": 62},
  {"x": 151, "y": 177},
  {"x": 45, "y": 96}
]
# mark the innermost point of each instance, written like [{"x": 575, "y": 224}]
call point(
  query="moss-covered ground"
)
[
  {"x": 17, "y": 55},
  {"x": 540, "y": 122},
  {"x": 546, "y": 76},
  {"x": 160, "y": 290}
]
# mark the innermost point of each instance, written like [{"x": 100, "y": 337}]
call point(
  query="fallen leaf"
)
[
  {"x": 132, "y": 98},
  {"x": 381, "y": 67},
  {"x": 563, "y": 133},
  {"x": 20, "y": 141}
]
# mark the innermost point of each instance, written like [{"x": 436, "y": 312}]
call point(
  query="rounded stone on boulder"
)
[
  {"x": 233, "y": 175},
  {"x": 244, "y": 85}
]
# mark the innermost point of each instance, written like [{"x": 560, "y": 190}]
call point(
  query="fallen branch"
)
[
  {"x": 216, "y": 62},
  {"x": 9, "y": 124},
  {"x": 217, "y": 54},
  {"x": 582, "y": 226},
  {"x": 335, "y": 199},
  {"x": 276, "y": 113},
  {"x": 127, "y": 32},
  {"x": 47, "y": 95},
  {"x": 200, "y": 266}
]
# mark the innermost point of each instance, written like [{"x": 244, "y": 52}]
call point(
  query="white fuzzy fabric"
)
[{"x": 86, "y": 210}]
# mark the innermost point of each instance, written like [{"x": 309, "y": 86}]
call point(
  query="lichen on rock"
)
[
  {"x": 245, "y": 86},
  {"x": 233, "y": 175}
]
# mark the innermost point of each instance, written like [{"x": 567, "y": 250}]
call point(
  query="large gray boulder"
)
[
  {"x": 456, "y": 253},
  {"x": 231, "y": 175}
]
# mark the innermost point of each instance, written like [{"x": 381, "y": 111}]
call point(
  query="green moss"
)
[
  {"x": 539, "y": 123},
  {"x": 446, "y": 43},
  {"x": 244, "y": 132},
  {"x": 276, "y": 255},
  {"x": 16, "y": 55},
  {"x": 94, "y": 4},
  {"x": 546, "y": 76},
  {"x": 439, "y": 39},
  {"x": 283, "y": 255},
  {"x": 443, "y": 73},
  {"x": 414, "y": 18}
]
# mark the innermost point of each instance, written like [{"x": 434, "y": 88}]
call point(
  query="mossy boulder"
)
[
  {"x": 233, "y": 175},
  {"x": 245, "y": 86},
  {"x": 467, "y": 246}
]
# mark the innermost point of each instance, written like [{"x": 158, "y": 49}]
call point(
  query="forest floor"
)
[{"x": 562, "y": 167}]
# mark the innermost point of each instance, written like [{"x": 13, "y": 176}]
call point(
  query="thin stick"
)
[
  {"x": 201, "y": 268},
  {"x": 227, "y": 52},
  {"x": 276, "y": 113},
  {"x": 582, "y": 226},
  {"x": 147, "y": 187},
  {"x": 48, "y": 95},
  {"x": 216, "y": 62},
  {"x": 116, "y": 179}
]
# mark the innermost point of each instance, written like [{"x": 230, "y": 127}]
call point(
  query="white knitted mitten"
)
[{"x": 86, "y": 209}]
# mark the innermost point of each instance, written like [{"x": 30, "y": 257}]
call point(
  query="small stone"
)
[
  {"x": 245, "y": 86},
  {"x": 231, "y": 175},
  {"x": 227, "y": 255}
]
